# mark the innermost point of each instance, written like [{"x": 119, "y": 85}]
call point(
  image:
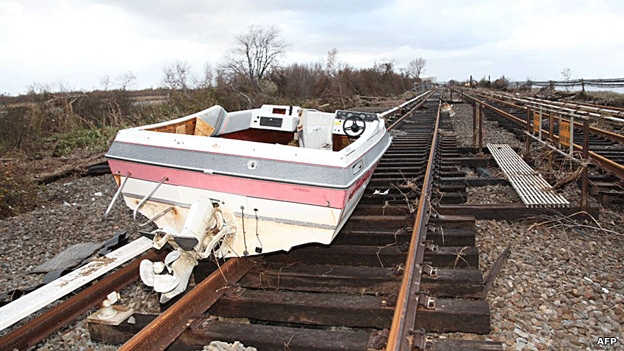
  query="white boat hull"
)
[{"x": 263, "y": 225}]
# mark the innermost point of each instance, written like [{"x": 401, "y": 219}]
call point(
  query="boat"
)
[{"x": 235, "y": 184}]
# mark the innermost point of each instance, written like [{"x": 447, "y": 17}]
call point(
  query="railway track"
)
[
  {"x": 396, "y": 275},
  {"x": 605, "y": 148},
  {"x": 403, "y": 270},
  {"x": 53, "y": 320}
]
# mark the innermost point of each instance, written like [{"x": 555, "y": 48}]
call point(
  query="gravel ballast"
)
[
  {"x": 561, "y": 289},
  {"x": 70, "y": 212},
  {"x": 563, "y": 285}
]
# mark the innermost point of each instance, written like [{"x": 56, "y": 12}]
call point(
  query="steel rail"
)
[
  {"x": 405, "y": 104},
  {"x": 618, "y": 138},
  {"x": 407, "y": 302},
  {"x": 597, "y": 109},
  {"x": 595, "y": 158},
  {"x": 409, "y": 113},
  {"x": 44, "y": 325},
  {"x": 165, "y": 329}
]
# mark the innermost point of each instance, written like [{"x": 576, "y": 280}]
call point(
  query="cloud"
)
[{"x": 80, "y": 40}]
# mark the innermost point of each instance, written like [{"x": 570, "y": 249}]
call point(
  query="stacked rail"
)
[{"x": 601, "y": 148}]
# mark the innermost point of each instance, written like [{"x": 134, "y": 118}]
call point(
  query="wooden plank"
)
[
  {"x": 375, "y": 222},
  {"x": 37, "y": 329},
  {"x": 372, "y": 237},
  {"x": 379, "y": 209},
  {"x": 451, "y": 237},
  {"x": 363, "y": 311},
  {"x": 32, "y": 302},
  {"x": 458, "y": 283},
  {"x": 377, "y": 256},
  {"x": 448, "y": 188},
  {"x": 202, "y": 128},
  {"x": 469, "y": 161},
  {"x": 464, "y": 345},
  {"x": 325, "y": 278},
  {"x": 181, "y": 129},
  {"x": 458, "y": 221},
  {"x": 464, "y": 283},
  {"x": 263, "y": 337},
  {"x": 440, "y": 236},
  {"x": 189, "y": 125},
  {"x": 450, "y": 315}
]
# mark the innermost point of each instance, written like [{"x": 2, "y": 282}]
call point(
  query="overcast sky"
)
[{"x": 75, "y": 43}]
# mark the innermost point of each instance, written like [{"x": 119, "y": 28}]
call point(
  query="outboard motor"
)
[{"x": 207, "y": 226}]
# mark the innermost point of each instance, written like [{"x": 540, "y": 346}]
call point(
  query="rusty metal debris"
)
[{"x": 500, "y": 261}]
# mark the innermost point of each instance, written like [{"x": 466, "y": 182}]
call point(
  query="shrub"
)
[
  {"x": 500, "y": 84},
  {"x": 17, "y": 192}
]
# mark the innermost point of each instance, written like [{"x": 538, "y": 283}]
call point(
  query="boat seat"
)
[
  {"x": 210, "y": 121},
  {"x": 316, "y": 130}
]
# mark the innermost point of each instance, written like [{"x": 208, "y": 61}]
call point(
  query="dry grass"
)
[
  {"x": 609, "y": 98},
  {"x": 17, "y": 192}
]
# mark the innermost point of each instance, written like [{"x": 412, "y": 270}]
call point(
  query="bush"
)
[
  {"x": 95, "y": 139},
  {"x": 17, "y": 192},
  {"x": 500, "y": 84},
  {"x": 485, "y": 83}
]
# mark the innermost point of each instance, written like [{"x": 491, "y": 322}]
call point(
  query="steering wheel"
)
[{"x": 355, "y": 128}]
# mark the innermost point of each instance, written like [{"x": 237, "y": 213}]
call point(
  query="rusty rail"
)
[
  {"x": 594, "y": 158},
  {"x": 397, "y": 109},
  {"x": 409, "y": 113},
  {"x": 43, "y": 326},
  {"x": 407, "y": 303},
  {"x": 165, "y": 329},
  {"x": 554, "y": 108}
]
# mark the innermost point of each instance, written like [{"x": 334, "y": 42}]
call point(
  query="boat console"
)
[
  {"x": 352, "y": 123},
  {"x": 280, "y": 118}
]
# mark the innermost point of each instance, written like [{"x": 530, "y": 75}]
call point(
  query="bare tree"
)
[
  {"x": 177, "y": 75},
  {"x": 332, "y": 61},
  {"x": 567, "y": 74},
  {"x": 416, "y": 67},
  {"x": 125, "y": 80},
  {"x": 208, "y": 76},
  {"x": 256, "y": 51},
  {"x": 385, "y": 68},
  {"x": 105, "y": 82}
]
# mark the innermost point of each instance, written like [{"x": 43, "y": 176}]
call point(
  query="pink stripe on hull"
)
[{"x": 310, "y": 195}]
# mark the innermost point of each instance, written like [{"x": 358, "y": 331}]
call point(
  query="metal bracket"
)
[
  {"x": 429, "y": 245},
  {"x": 498, "y": 265},
  {"x": 390, "y": 300},
  {"x": 144, "y": 200},
  {"x": 430, "y": 271},
  {"x": 419, "y": 341},
  {"x": 434, "y": 229},
  {"x": 378, "y": 340},
  {"x": 110, "y": 206},
  {"x": 429, "y": 303}
]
